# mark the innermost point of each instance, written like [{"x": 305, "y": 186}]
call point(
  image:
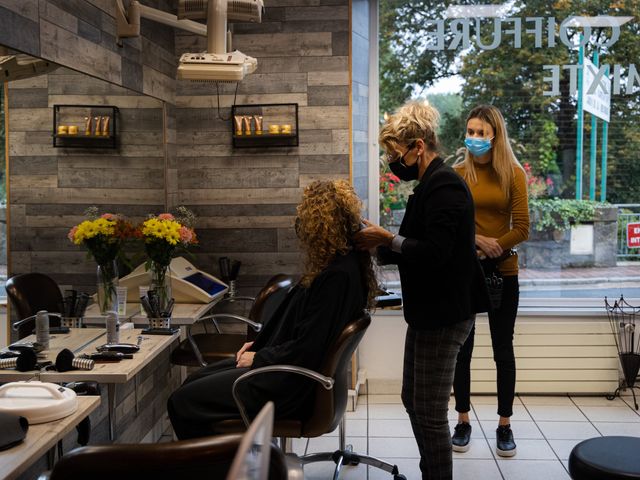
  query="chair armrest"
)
[
  {"x": 326, "y": 382},
  {"x": 255, "y": 325},
  {"x": 216, "y": 316}
]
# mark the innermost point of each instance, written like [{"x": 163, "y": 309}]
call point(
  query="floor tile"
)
[
  {"x": 611, "y": 428},
  {"x": 478, "y": 449},
  {"x": 393, "y": 399},
  {"x": 390, "y": 428},
  {"x": 568, "y": 430},
  {"x": 361, "y": 413},
  {"x": 556, "y": 413},
  {"x": 533, "y": 470},
  {"x": 299, "y": 445},
  {"x": 489, "y": 412},
  {"x": 629, "y": 401},
  {"x": 563, "y": 447},
  {"x": 546, "y": 400},
  {"x": 611, "y": 414},
  {"x": 600, "y": 401},
  {"x": 387, "y": 411},
  {"x": 400, "y": 447},
  {"x": 324, "y": 470},
  {"x": 530, "y": 450},
  {"x": 474, "y": 469},
  {"x": 409, "y": 467},
  {"x": 521, "y": 429},
  {"x": 330, "y": 444},
  {"x": 355, "y": 427}
]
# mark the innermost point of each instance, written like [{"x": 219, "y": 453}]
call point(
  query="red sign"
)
[{"x": 633, "y": 235}]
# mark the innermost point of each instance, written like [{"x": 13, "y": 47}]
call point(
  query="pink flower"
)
[
  {"x": 108, "y": 216},
  {"x": 72, "y": 233},
  {"x": 549, "y": 181},
  {"x": 186, "y": 235},
  {"x": 165, "y": 216}
]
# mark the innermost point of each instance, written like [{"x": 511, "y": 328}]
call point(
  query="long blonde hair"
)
[
  {"x": 328, "y": 217},
  {"x": 411, "y": 121},
  {"x": 503, "y": 160}
]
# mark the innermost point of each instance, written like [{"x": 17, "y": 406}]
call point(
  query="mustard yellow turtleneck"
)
[{"x": 498, "y": 216}]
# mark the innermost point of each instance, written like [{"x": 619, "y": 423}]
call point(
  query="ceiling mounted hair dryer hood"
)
[{"x": 217, "y": 64}]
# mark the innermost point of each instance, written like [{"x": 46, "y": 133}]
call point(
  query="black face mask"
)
[{"x": 402, "y": 170}]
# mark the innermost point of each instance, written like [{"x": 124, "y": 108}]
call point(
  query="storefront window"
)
[{"x": 565, "y": 77}]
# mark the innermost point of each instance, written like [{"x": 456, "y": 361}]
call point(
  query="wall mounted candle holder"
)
[{"x": 85, "y": 126}]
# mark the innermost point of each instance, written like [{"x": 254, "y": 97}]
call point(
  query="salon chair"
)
[
  {"x": 331, "y": 395},
  {"x": 201, "y": 349},
  {"x": 210, "y": 457},
  {"x": 30, "y": 293}
]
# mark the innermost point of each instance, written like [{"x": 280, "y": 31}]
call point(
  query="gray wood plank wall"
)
[
  {"x": 246, "y": 198},
  {"x": 179, "y": 153},
  {"x": 50, "y": 188},
  {"x": 81, "y": 34}
]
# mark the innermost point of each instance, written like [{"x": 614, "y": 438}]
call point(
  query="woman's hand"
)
[
  {"x": 246, "y": 360},
  {"x": 372, "y": 236},
  {"x": 244, "y": 348},
  {"x": 489, "y": 246}
]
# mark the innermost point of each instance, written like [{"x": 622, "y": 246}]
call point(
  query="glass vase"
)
[
  {"x": 107, "y": 283},
  {"x": 160, "y": 281}
]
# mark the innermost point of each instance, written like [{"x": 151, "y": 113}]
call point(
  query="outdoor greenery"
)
[
  {"x": 560, "y": 213},
  {"x": 513, "y": 80}
]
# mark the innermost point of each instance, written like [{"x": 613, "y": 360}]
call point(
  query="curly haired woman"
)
[{"x": 337, "y": 284}]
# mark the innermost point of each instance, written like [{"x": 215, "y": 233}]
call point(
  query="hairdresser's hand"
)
[
  {"x": 246, "y": 360},
  {"x": 244, "y": 348},
  {"x": 372, "y": 236},
  {"x": 489, "y": 246}
]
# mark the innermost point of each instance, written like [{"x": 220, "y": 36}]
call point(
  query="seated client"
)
[{"x": 337, "y": 284}]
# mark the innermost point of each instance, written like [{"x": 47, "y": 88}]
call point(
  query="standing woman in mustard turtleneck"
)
[{"x": 498, "y": 185}]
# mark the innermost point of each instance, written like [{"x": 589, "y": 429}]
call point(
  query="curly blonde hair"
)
[
  {"x": 328, "y": 217},
  {"x": 412, "y": 121}
]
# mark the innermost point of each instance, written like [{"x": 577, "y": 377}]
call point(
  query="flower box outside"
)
[{"x": 551, "y": 249}]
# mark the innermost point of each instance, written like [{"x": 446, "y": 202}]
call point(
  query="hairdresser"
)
[
  {"x": 442, "y": 283},
  {"x": 499, "y": 188}
]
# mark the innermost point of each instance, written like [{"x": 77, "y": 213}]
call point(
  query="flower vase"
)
[
  {"x": 107, "y": 283},
  {"x": 160, "y": 281}
]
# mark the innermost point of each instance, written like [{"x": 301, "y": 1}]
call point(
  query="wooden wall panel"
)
[
  {"x": 81, "y": 34},
  {"x": 246, "y": 198},
  {"x": 50, "y": 188}
]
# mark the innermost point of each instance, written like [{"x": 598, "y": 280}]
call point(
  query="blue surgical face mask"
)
[{"x": 478, "y": 146}]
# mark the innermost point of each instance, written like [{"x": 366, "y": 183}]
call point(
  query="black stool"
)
[{"x": 606, "y": 458}]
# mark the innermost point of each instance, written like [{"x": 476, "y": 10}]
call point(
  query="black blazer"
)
[
  {"x": 301, "y": 331},
  {"x": 442, "y": 281}
]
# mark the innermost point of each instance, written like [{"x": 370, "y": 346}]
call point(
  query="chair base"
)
[{"x": 349, "y": 457}]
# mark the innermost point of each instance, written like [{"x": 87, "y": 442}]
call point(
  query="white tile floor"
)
[{"x": 545, "y": 428}]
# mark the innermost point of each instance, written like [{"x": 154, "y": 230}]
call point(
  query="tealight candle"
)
[
  {"x": 73, "y": 129},
  {"x": 285, "y": 129},
  {"x": 63, "y": 130},
  {"x": 274, "y": 129}
]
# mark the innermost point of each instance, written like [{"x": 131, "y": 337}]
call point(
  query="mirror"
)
[{"x": 50, "y": 188}]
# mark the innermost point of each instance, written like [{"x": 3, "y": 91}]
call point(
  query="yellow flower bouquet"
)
[
  {"x": 164, "y": 235},
  {"x": 103, "y": 236}
]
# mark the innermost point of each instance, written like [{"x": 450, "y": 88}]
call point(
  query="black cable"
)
[{"x": 235, "y": 95}]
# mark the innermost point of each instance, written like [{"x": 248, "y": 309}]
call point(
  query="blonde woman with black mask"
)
[
  {"x": 498, "y": 184},
  {"x": 441, "y": 278}
]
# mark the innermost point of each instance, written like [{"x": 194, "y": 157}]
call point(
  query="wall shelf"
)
[
  {"x": 273, "y": 114},
  {"x": 75, "y": 115}
]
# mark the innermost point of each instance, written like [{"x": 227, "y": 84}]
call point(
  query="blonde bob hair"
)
[
  {"x": 412, "y": 121},
  {"x": 328, "y": 217},
  {"x": 503, "y": 160}
]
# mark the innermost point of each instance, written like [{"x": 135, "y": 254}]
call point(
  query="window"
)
[{"x": 564, "y": 76}]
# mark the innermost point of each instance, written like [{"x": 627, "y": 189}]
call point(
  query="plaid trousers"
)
[{"x": 427, "y": 379}]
